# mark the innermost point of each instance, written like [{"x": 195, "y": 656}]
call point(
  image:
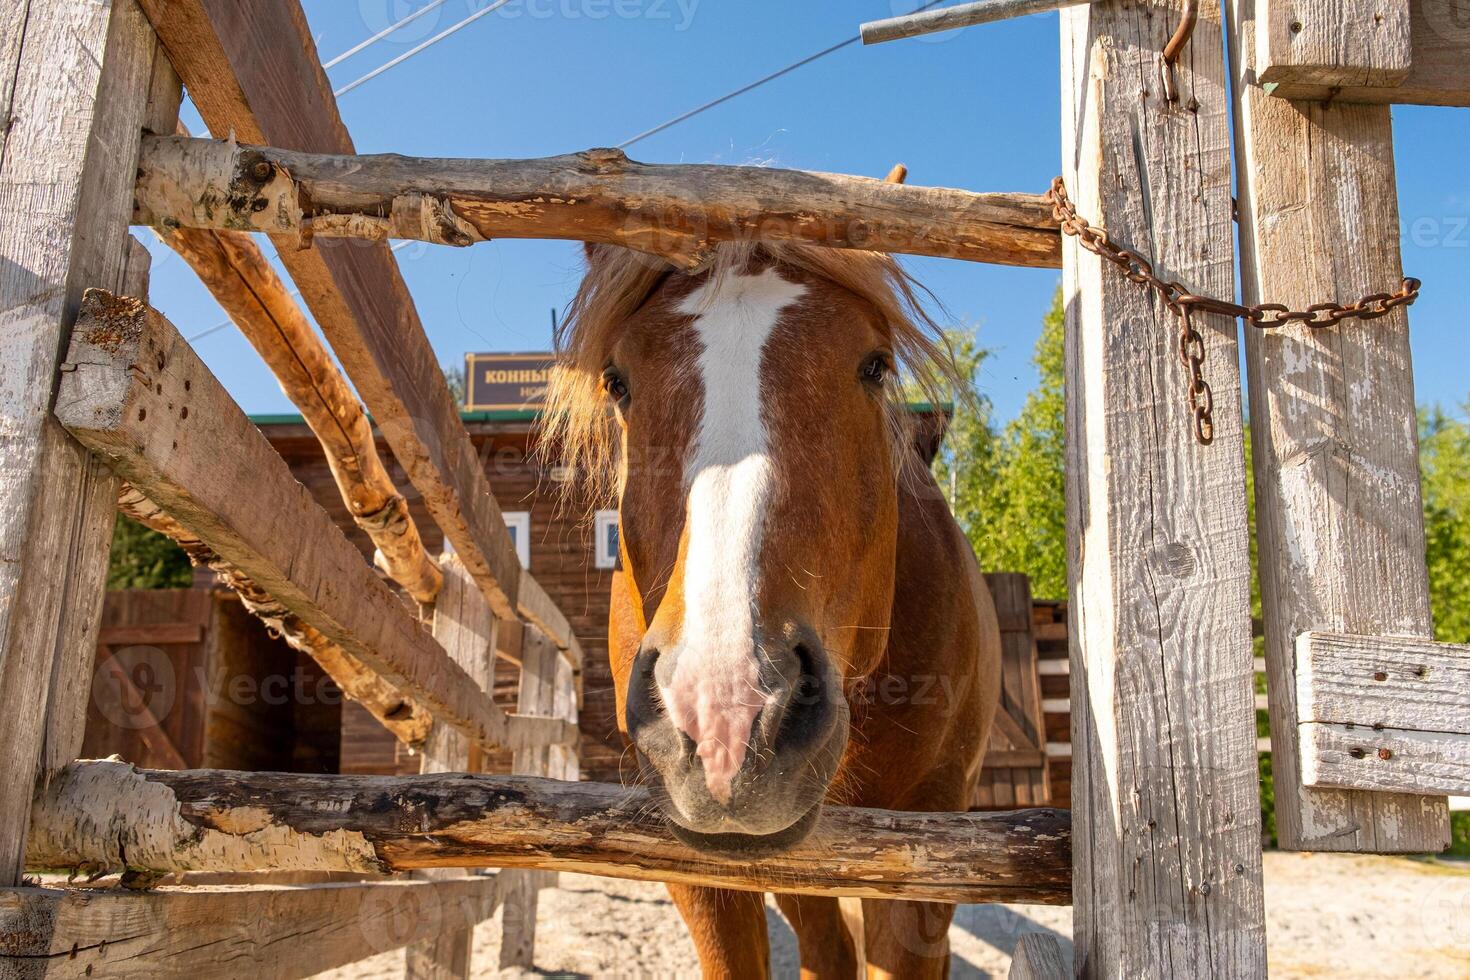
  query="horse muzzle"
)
[{"x": 739, "y": 763}]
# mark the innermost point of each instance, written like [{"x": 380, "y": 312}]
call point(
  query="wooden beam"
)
[
  {"x": 237, "y": 274},
  {"x": 138, "y": 395},
  {"x": 409, "y": 722},
  {"x": 1439, "y": 69},
  {"x": 1332, "y": 42},
  {"x": 242, "y": 930},
  {"x": 1340, "y": 521},
  {"x": 675, "y": 211},
  {"x": 74, "y": 81},
  {"x": 1038, "y": 956},
  {"x": 536, "y": 694},
  {"x": 466, "y": 627},
  {"x": 252, "y": 70},
  {"x": 955, "y": 17},
  {"x": 1384, "y": 713},
  {"x": 1165, "y": 802},
  {"x": 107, "y": 814}
]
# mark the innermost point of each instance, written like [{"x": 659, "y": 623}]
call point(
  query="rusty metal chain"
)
[{"x": 1181, "y": 302}]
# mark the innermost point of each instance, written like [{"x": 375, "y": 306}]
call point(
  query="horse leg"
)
[
  {"x": 729, "y": 930},
  {"x": 907, "y": 939},
  {"x": 821, "y": 932}
]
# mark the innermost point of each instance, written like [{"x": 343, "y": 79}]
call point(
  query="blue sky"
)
[{"x": 976, "y": 109}]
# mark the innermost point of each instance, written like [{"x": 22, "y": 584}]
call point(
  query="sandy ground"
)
[{"x": 1328, "y": 915}]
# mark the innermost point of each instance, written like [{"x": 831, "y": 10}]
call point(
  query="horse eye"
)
[
  {"x": 875, "y": 369},
  {"x": 614, "y": 385}
]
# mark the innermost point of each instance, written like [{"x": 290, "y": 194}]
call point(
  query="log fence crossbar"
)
[
  {"x": 109, "y": 816},
  {"x": 677, "y": 212}
]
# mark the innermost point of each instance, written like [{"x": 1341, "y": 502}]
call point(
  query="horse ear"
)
[{"x": 897, "y": 175}]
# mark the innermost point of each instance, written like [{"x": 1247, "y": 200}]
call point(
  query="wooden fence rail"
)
[
  {"x": 135, "y": 393},
  {"x": 674, "y": 211},
  {"x": 108, "y": 815}
]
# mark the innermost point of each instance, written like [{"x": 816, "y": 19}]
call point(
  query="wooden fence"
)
[{"x": 1168, "y": 876}]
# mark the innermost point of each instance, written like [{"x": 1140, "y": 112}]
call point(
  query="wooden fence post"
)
[
  {"x": 537, "y": 695},
  {"x": 1167, "y": 856},
  {"x": 465, "y": 625},
  {"x": 74, "y": 79},
  {"x": 1333, "y": 425}
]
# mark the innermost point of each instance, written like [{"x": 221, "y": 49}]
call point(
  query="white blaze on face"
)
[{"x": 715, "y": 691}]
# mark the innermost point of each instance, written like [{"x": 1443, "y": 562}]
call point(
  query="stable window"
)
[
  {"x": 605, "y": 539},
  {"x": 518, "y": 522}
]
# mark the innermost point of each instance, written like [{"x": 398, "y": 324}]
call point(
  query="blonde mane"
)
[{"x": 577, "y": 427}]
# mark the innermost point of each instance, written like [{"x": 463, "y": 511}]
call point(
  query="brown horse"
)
[{"x": 797, "y": 618}]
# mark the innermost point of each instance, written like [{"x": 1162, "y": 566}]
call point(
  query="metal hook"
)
[{"x": 1175, "y": 46}]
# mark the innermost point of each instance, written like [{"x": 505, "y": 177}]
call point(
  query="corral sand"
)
[{"x": 1328, "y": 915}]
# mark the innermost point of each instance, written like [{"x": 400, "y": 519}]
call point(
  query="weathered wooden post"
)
[
  {"x": 465, "y": 625},
  {"x": 1335, "y": 444},
  {"x": 1167, "y": 867},
  {"x": 74, "y": 83}
]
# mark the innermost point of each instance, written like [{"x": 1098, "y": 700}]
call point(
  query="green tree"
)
[
  {"x": 144, "y": 559},
  {"x": 1007, "y": 487},
  {"x": 1444, "y": 467}
]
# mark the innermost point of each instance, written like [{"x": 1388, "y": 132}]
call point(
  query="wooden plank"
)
[
  {"x": 1439, "y": 69},
  {"x": 1340, "y": 519},
  {"x": 677, "y": 212},
  {"x": 237, "y": 274},
  {"x": 1038, "y": 956},
  {"x": 1384, "y": 714},
  {"x": 1164, "y": 792},
  {"x": 540, "y": 609},
  {"x": 1383, "y": 682},
  {"x": 158, "y": 634},
  {"x": 466, "y": 627},
  {"x": 140, "y": 397},
  {"x": 150, "y": 729},
  {"x": 1333, "y": 42},
  {"x": 252, "y": 70},
  {"x": 1388, "y": 760},
  {"x": 65, "y": 199},
  {"x": 107, "y": 813},
  {"x": 536, "y": 694},
  {"x": 216, "y": 930}
]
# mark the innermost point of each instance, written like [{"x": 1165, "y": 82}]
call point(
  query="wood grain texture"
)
[
  {"x": 1164, "y": 793},
  {"x": 1333, "y": 42},
  {"x": 252, "y": 69},
  {"x": 1389, "y": 760},
  {"x": 1439, "y": 69},
  {"x": 266, "y": 930},
  {"x": 68, "y": 154},
  {"x": 1385, "y": 760},
  {"x": 674, "y": 211},
  {"x": 141, "y": 398},
  {"x": 1383, "y": 682},
  {"x": 466, "y": 627},
  {"x": 108, "y": 814},
  {"x": 1038, "y": 956},
  {"x": 536, "y": 694},
  {"x": 237, "y": 274},
  {"x": 1334, "y": 432}
]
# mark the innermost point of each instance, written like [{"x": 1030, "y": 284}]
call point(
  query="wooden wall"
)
[{"x": 186, "y": 678}]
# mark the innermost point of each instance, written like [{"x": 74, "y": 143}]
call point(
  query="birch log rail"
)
[
  {"x": 674, "y": 211},
  {"x": 107, "y": 815}
]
